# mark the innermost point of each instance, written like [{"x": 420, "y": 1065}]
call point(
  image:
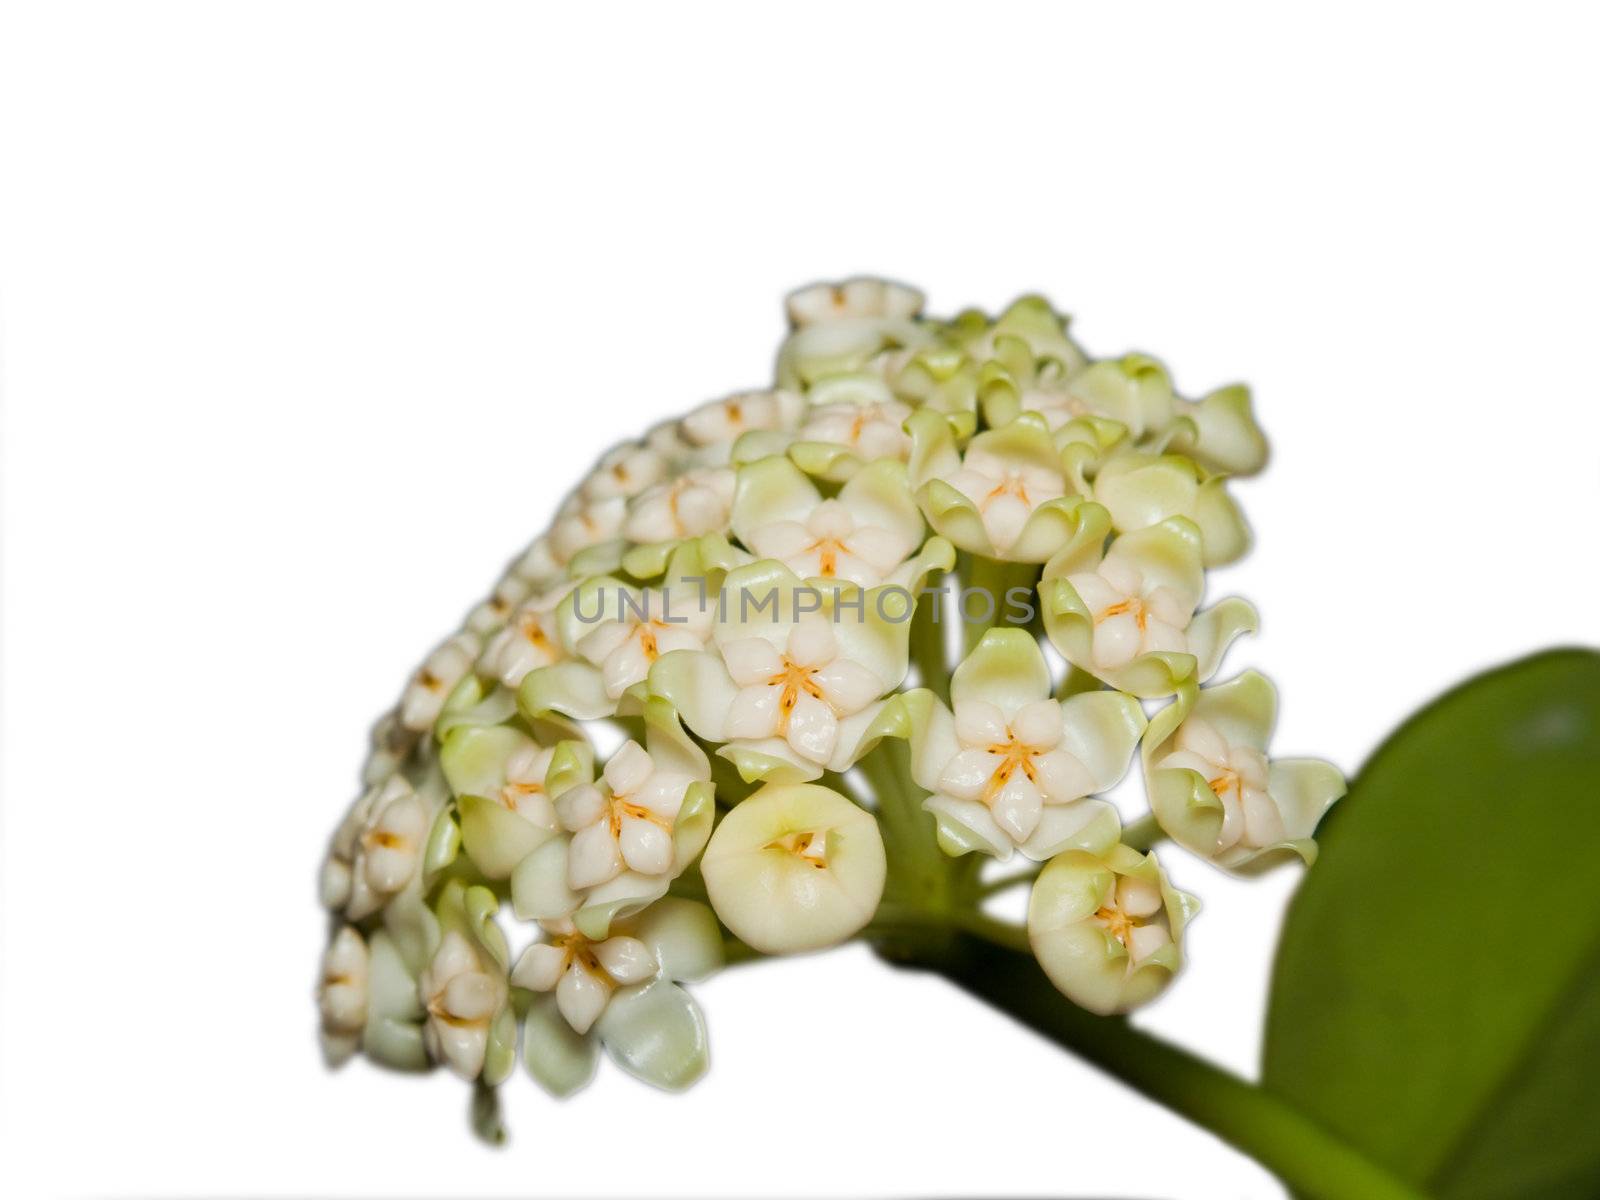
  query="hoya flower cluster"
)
[{"x": 790, "y": 669}]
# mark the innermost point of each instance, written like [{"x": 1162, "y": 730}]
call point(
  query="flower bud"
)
[
  {"x": 342, "y": 994},
  {"x": 795, "y": 867}
]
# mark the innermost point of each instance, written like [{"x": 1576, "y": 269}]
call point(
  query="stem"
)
[
  {"x": 1310, "y": 1161},
  {"x": 1143, "y": 834},
  {"x": 995, "y": 886},
  {"x": 995, "y": 579},
  {"x": 928, "y": 643}
]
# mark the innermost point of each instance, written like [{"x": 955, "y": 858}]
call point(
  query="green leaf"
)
[{"x": 1436, "y": 999}]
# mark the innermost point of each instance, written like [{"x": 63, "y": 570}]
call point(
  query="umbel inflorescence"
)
[{"x": 793, "y": 669}]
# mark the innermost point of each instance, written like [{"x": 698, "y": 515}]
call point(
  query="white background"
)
[{"x": 311, "y": 312}]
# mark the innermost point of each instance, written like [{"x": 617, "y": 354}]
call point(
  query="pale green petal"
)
[
  {"x": 860, "y": 389},
  {"x": 572, "y": 688},
  {"x": 698, "y": 686},
  {"x": 880, "y": 495},
  {"x": 954, "y": 516},
  {"x": 1145, "y": 489},
  {"x": 966, "y": 826},
  {"x": 560, "y": 1060},
  {"x": 647, "y": 561},
  {"x": 1134, "y": 390},
  {"x": 1226, "y": 436},
  {"x": 931, "y": 731},
  {"x": 1067, "y": 890},
  {"x": 936, "y": 557},
  {"x": 771, "y": 760},
  {"x": 760, "y": 600},
  {"x": 1056, "y": 526},
  {"x": 614, "y": 900},
  {"x": 670, "y": 748},
  {"x": 1067, "y": 621},
  {"x": 1214, "y": 629},
  {"x": 571, "y": 764},
  {"x": 500, "y": 1054},
  {"x": 773, "y": 489},
  {"x": 474, "y": 757},
  {"x": 756, "y": 444},
  {"x": 1087, "y": 545},
  {"x": 1034, "y": 322},
  {"x": 683, "y": 935},
  {"x": 539, "y": 890},
  {"x": 1224, "y": 533},
  {"x": 413, "y": 926},
  {"x": 934, "y": 453},
  {"x": 1024, "y": 440},
  {"x": 655, "y": 1032},
  {"x": 825, "y": 460},
  {"x": 444, "y": 842},
  {"x": 943, "y": 379},
  {"x": 591, "y": 604},
  {"x": 601, "y": 559},
  {"x": 692, "y": 826},
  {"x": 497, "y": 839},
  {"x": 860, "y": 734},
  {"x": 1152, "y": 676},
  {"x": 474, "y": 702},
  {"x": 878, "y": 636},
  {"x": 1006, "y": 669},
  {"x": 1102, "y": 729},
  {"x": 1091, "y": 825},
  {"x": 1304, "y": 789},
  {"x": 1244, "y": 709},
  {"x": 1167, "y": 554},
  {"x": 1186, "y": 808},
  {"x": 393, "y": 1034}
]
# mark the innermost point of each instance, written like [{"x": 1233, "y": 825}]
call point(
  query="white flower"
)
[
  {"x": 1107, "y": 927},
  {"x": 530, "y": 639},
  {"x": 792, "y": 676},
  {"x": 582, "y": 523},
  {"x": 862, "y": 536},
  {"x": 1008, "y": 496},
  {"x": 695, "y": 503},
  {"x": 1006, "y": 491},
  {"x": 625, "y": 837},
  {"x": 490, "y": 615},
  {"x": 537, "y": 564},
  {"x": 1237, "y": 776},
  {"x": 1011, "y": 767},
  {"x": 618, "y": 990},
  {"x": 461, "y": 995},
  {"x": 1215, "y": 791},
  {"x": 1127, "y": 614},
  {"x": 831, "y": 543},
  {"x": 624, "y": 471},
  {"x": 440, "y": 672},
  {"x": 342, "y": 994},
  {"x": 625, "y": 824},
  {"x": 852, "y": 299},
  {"x": 392, "y": 744},
  {"x": 798, "y": 693},
  {"x": 872, "y": 431},
  {"x": 583, "y": 973},
  {"x": 646, "y": 625},
  {"x": 1133, "y": 613},
  {"x": 382, "y": 842},
  {"x": 723, "y": 422}
]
